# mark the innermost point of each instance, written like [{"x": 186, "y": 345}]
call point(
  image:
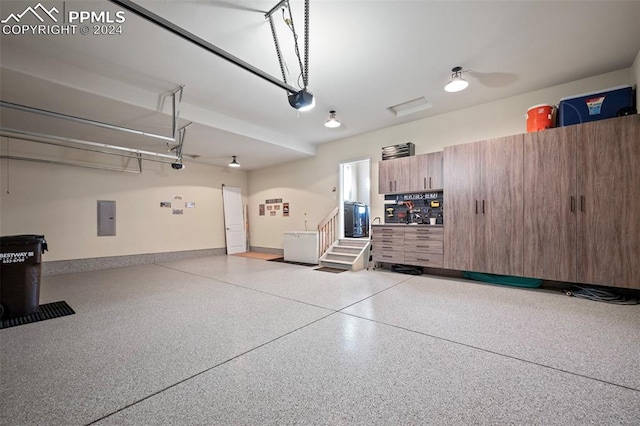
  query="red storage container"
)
[{"x": 540, "y": 117}]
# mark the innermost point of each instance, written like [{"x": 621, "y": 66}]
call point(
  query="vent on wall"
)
[{"x": 397, "y": 151}]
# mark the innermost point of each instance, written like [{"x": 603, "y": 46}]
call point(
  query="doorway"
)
[
  {"x": 235, "y": 233},
  {"x": 355, "y": 198}
]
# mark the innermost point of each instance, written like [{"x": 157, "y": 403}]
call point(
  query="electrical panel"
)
[{"x": 106, "y": 218}]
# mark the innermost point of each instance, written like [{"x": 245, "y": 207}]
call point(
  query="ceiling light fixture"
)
[
  {"x": 332, "y": 122},
  {"x": 457, "y": 83},
  {"x": 234, "y": 162},
  {"x": 302, "y": 100}
]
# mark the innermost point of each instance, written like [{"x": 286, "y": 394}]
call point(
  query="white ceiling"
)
[{"x": 364, "y": 57}]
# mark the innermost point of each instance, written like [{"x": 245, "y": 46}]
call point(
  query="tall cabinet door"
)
[
  {"x": 609, "y": 202},
  {"x": 461, "y": 186},
  {"x": 550, "y": 204},
  {"x": 501, "y": 207}
]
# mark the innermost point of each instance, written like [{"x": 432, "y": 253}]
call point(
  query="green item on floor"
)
[{"x": 503, "y": 279}]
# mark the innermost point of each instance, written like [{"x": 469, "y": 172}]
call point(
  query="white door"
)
[{"x": 234, "y": 220}]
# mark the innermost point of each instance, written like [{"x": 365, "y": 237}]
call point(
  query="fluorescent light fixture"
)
[
  {"x": 302, "y": 100},
  {"x": 457, "y": 82},
  {"x": 332, "y": 122},
  {"x": 234, "y": 162}
]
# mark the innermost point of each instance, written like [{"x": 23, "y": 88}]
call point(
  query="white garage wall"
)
[
  {"x": 60, "y": 203},
  {"x": 307, "y": 184}
]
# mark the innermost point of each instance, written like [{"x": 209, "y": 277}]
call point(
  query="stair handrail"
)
[{"x": 328, "y": 231}]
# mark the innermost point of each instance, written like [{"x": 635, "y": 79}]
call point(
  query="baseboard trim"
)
[{"x": 99, "y": 263}]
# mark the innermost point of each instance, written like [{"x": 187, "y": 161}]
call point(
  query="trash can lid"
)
[{"x": 18, "y": 240}]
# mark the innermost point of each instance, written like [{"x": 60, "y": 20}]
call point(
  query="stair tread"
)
[
  {"x": 337, "y": 261},
  {"x": 337, "y": 253}
]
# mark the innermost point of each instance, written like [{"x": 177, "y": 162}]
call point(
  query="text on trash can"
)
[{"x": 16, "y": 257}]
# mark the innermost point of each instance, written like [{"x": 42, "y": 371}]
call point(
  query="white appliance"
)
[{"x": 301, "y": 246}]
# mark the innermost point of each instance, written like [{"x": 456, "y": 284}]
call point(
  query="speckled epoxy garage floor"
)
[{"x": 229, "y": 340}]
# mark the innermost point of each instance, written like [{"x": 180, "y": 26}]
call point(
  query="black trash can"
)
[{"x": 20, "y": 270}]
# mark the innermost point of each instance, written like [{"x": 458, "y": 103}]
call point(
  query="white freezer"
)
[{"x": 301, "y": 246}]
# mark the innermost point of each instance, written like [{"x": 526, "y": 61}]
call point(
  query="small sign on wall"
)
[
  {"x": 273, "y": 205},
  {"x": 177, "y": 206}
]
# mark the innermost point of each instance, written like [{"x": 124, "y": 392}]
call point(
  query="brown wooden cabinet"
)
[
  {"x": 550, "y": 203},
  {"x": 582, "y": 203},
  {"x": 434, "y": 166},
  {"x": 394, "y": 175},
  {"x": 385, "y": 181},
  {"x": 424, "y": 246},
  {"x": 609, "y": 204},
  {"x": 416, "y": 245},
  {"x": 561, "y": 204},
  {"x": 426, "y": 172},
  {"x": 484, "y": 206},
  {"x": 387, "y": 243},
  {"x": 461, "y": 189},
  {"x": 410, "y": 174}
]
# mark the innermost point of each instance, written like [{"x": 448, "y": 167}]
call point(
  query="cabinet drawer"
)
[
  {"x": 389, "y": 256},
  {"x": 425, "y": 229},
  {"x": 388, "y": 230},
  {"x": 380, "y": 247},
  {"x": 388, "y": 236},
  {"x": 386, "y": 245},
  {"x": 424, "y": 236},
  {"x": 424, "y": 259},
  {"x": 426, "y": 246}
]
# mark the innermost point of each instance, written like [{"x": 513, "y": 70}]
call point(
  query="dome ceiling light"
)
[
  {"x": 457, "y": 82},
  {"x": 332, "y": 122}
]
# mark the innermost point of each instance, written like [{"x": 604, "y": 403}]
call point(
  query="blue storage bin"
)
[{"x": 595, "y": 106}]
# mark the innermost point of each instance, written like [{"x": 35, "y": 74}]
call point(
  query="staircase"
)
[{"x": 347, "y": 253}]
